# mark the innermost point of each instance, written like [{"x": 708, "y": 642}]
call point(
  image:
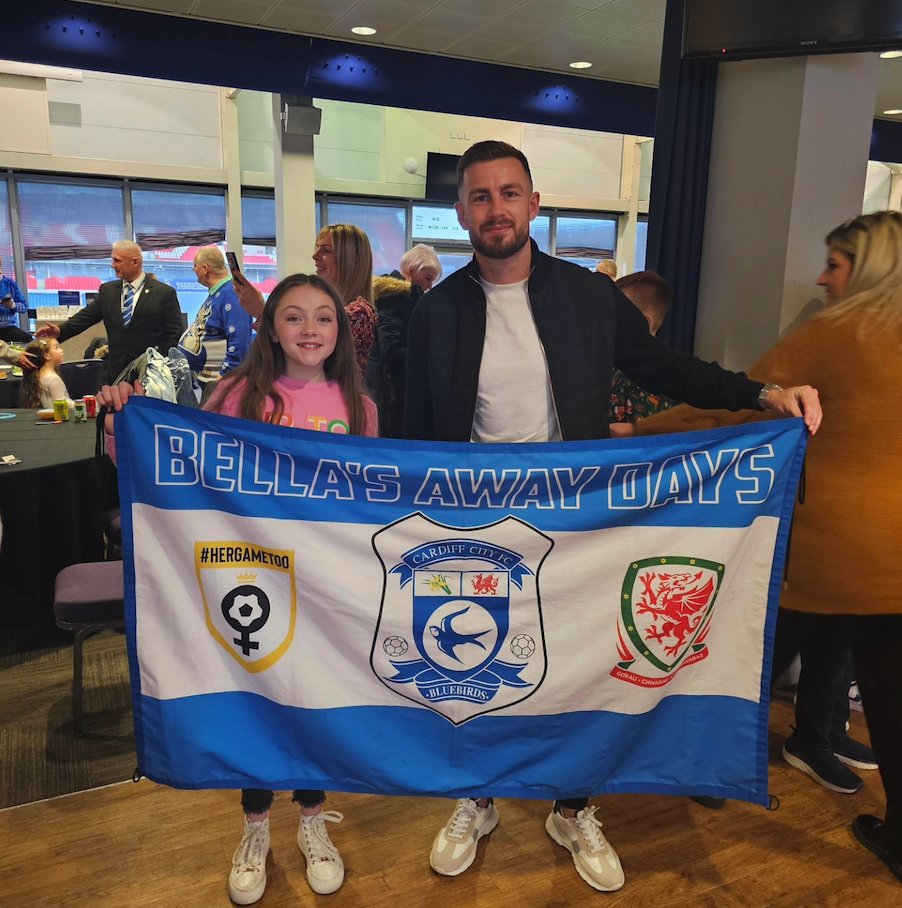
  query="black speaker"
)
[{"x": 300, "y": 117}]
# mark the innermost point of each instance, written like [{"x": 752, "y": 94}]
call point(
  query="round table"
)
[{"x": 52, "y": 504}]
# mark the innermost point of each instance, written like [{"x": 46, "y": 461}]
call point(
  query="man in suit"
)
[{"x": 137, "y": 312}]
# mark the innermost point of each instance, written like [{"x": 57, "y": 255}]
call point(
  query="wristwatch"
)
[{"x": 762, "y": 395}]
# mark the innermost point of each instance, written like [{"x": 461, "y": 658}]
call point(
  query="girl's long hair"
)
[
  {"x": 31, "y": 379},
  {"x": 265, "y": 362},
  {"x": 874, "y": 244},
  {"x": 353, "y": 259}
]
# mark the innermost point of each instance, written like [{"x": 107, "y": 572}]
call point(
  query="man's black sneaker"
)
[
  {"x": 853, "y": 753},
  {"x": 710, "y": 803},
  {"x": 822, "y": 765}
]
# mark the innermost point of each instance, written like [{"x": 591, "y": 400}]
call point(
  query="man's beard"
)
[{"x": 501, "y": 247}]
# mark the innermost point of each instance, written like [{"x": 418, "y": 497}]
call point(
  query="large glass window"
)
[
  {"x": 384, "y": 225},
  {"x": 6, "y": 236},
  {"x": 585, "y": 240},
  {"x": 641, "y": 244},
  {"x": 258, "y": 222},
  {"x": 170, "y": 226},
  {"x": 67, "y": 231}
]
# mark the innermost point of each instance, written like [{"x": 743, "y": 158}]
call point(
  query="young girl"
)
[
  {"x": 301, "y": 371},
  {"x": 42, "y": 386}
]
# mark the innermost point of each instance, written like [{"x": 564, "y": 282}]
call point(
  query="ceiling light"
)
[
  {"x": 893, "y": 111},
  {"x": 363, "y": 30},
  {"x": 580, "y": 64},
  {"x": 891, "y": 54}
]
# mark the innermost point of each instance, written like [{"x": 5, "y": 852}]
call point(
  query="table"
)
[{"x": 53, "y": 506}]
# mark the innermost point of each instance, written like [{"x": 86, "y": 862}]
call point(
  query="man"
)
[
  {"x": 12, "y": 303},
  {"x": 220, "y": 336},
  {"x": 137, "y": 311},
  {"x": 519, "y": 347},
  {"x": 651, "y": 295}
]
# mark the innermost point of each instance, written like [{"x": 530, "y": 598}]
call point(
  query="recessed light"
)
[
  {"x": 363, "y": 30},
  {"x": 580, "y": 64},
  {"x": 893, "y": 111},
  {"x": 891, "y": 54}
]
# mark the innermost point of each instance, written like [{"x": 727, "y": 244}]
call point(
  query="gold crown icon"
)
[{"x": 246, "y": 577}]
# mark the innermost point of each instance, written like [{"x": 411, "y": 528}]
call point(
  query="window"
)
[
  {"x": 384, "y": 225},
  {"x": 641, "y": 244},
  {"x": 6, "y": 236},
  {"x": 258, "y": 223},
  {"x": 67, "y": 231},
  {"x": 584, "y": 240},
  {"x": 170, "y": 226}
]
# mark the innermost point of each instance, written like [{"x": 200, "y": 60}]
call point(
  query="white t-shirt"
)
[{"x": 513, "y": 401}]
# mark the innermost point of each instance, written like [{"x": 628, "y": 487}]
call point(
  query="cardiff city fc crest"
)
[
  {"x": 249, "y": 600},
  {"x": 460, "y": 625},
  {"x": 666, "y": 609}
]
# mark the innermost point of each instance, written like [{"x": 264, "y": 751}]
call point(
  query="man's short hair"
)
[
  {"x": 652, "y": 282},
  {"x": 212, "y": 257},
  {"x": 417, "y": 258},
  {"x": 129, "y": 247},
  {"x": 489, "y": 150}
]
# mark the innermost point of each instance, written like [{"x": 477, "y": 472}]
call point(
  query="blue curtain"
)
[{"x": 679, "y": 180}]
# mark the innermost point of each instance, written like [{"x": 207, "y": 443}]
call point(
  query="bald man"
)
[{"x": 137, "y": 312}]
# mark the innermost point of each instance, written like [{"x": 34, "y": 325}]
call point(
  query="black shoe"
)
[
  {"x": 822, "y": 765},
  {"x": 710, "y": 803},
  {"x": 853, "y": 753},
  {"x": 871, "y": 832}
]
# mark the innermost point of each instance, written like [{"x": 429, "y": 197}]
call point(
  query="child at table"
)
[
  {"x": 42, "y": 386},
  {"x": 301, "y": 371}
]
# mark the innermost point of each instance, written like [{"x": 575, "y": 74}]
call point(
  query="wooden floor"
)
[{"x": 136, "y": 845}]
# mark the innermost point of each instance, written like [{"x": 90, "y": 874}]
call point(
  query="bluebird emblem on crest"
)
[
  {"x": 456, "y": 605},
  {"x": 446, "y": 638}
]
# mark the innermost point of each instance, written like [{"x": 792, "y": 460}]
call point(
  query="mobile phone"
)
[{"x": 232, "y": 259}]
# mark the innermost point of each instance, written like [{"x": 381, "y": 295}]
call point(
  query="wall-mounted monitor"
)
[
  {"x": 737, "y": 29},
  {"x": 441, "y": 177}
]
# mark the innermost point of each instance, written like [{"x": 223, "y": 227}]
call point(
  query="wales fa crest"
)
[
  {"x": 666, "y": 609},
  {"x": 460, "y": 625},
  {"x": 249, "y": 600}
]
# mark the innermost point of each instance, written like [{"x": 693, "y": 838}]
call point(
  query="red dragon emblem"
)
[
  {"x": 665, "y": 615},
  {"x": 678, "y": 604},
  {"x": 486, "y": 585}
]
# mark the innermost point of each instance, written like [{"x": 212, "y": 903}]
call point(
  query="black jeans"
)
[
  {"x": 259, "y": 800},
  {"x": 878, "y": 661},
  {"x": 824, "y": 643}
]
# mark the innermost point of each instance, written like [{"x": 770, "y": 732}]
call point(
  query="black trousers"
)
[
  {"x": 13, "y": 334},
  {"x": 878, "y": 663},
  {"x": 259, "y": 800},
  {"x": 824, "y": 644}
]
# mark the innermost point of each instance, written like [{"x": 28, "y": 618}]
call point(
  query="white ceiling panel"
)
[{"x": 621, "y": 38}]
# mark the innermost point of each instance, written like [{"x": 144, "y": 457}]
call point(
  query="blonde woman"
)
[{"x": 844, "y": 583}]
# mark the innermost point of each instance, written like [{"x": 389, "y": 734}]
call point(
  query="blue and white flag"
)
[{"x": 307, "y": 610}]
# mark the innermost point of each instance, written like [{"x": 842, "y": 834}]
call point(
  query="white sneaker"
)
[
  {"x": 454, "y": 848},
  {"x": 596, "y": 861},
  {"x": 325, "y": 868},
  {"x": 248, "y": 877}
]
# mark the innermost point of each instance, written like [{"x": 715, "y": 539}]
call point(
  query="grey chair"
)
[
  {"x": 88, "y": 598},
  {"x": 82, "y": 376}
]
